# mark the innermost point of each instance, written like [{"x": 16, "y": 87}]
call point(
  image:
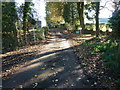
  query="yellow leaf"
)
[
  {"x": 42, "y": 68},
  {"x": 35, "y": 76}
]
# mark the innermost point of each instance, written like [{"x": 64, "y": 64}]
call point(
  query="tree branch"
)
[{"x": 104, "y": 5}]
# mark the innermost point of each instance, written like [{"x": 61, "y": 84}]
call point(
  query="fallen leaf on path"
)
[
  {"x": 35, "y": 85},
  {"x": 42, "y": 68},
  {"x": 35, "y": 76},
  {"x": 56, "y": 80},
  {"x": 20, "y": 86}
]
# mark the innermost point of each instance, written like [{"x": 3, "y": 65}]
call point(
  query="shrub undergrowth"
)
[{"x": 108, "y": 51}]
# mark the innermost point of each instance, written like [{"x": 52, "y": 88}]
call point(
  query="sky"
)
[
  {"x": 107, "y": 11},
  {"x": 39, "y": 6}
]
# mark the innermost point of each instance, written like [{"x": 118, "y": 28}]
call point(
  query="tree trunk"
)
[
  {"x": 72, "y": 13},
  {"x": 15, "y": 37},
  {"x": 97, "y": 18},
  {"x": 80, "y": 8},
  {"x": 24, "y": 24},
  {"x": 25, "y": 20}
]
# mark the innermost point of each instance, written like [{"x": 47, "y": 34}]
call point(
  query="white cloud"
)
[{"x": 106, "y": 12}]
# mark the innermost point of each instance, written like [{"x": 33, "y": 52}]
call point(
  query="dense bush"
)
[
  {"x": 108, "y": 51},
  {"x": 41, "y": 33},
  {"x": 71, "y": 27},
  {"x": 68, "y": 26},
  {"x": 89, "y": 26},
  {"x": 115, "y": 24},
  {"x": 63, "y": 26},
  {"x": 9, "y": 31},
  {"x": 46, "y": 29}
]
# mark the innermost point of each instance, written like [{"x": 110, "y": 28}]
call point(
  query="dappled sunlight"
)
[
  {"x": 53, "y": 63},
  {"x": 53, "y": 66},
  {"x": 44, "y": 75},
  {"x": 35, "y": 63},
  {"x": 86, "y": 38},
  {"x": 78, "y": 67},
  {"x": 77, "y": 71},
  {"x": 86, "y": 35},
  {"x": 26, "y": 68},
  {"x": 60, "y": 44}
]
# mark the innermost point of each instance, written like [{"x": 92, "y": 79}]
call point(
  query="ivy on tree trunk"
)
[
  {"x": 80, "y": 8},
  {"x": 97, "y": 18}
]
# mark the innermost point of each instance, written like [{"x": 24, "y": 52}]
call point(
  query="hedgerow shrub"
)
[
  {"x": 115, "y": 24},
  {"x": 108, "y": 51},
  {"x": 46, "y": 29}
]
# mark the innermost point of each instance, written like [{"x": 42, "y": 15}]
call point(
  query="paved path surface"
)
[{"x": 54, "y": 66}]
